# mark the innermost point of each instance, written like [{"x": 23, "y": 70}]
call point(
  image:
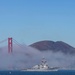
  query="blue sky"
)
[{"x": 29, "y": 21}]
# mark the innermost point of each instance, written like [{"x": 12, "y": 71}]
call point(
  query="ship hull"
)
[{"x": 40, "y": 70}]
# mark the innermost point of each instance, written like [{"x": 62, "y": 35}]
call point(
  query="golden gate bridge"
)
[{"x": 10, "y": 42}]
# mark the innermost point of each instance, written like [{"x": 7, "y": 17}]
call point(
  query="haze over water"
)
[{"x": 26, "y": 57}]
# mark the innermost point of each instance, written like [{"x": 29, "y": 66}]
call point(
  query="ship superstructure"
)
[{"x": 42, "y": 66}]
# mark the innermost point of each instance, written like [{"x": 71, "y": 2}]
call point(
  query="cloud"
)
[{"x": 26, "y": 57}]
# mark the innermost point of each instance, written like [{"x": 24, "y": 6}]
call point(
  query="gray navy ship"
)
[{"x": 42, "y": 67}]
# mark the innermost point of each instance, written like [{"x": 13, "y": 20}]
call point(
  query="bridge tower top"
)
[{"x": 9, "y": 45}]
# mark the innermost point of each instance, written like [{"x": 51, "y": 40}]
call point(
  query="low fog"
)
[{"x": 26, "y": 57}]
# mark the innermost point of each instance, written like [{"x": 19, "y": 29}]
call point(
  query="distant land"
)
[{"x": 54, "y": 46}]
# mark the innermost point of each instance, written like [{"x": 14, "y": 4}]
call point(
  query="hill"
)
[{"x": 53, "y": 46}]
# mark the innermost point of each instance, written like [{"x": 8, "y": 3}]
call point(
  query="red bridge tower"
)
[{"x": 9, "y": 45}]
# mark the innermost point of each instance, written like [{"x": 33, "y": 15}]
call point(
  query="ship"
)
[{"x": 42, "y": 67}]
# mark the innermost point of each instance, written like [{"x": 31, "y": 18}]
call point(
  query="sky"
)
[{"x": 29, "y": 21}]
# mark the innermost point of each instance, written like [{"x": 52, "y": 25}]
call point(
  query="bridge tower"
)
[{"x": 9, "y": 45}]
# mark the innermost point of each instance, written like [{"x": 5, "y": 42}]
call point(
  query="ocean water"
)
[{"x": 63, "y": 72}]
